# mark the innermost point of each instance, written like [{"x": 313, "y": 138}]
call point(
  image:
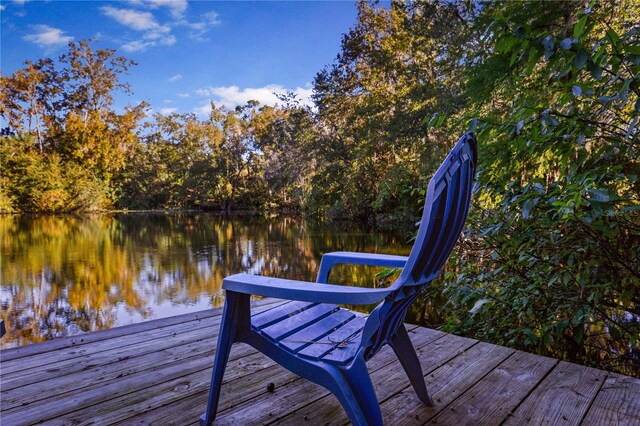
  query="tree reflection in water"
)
[{"x": 64, "y": 275}]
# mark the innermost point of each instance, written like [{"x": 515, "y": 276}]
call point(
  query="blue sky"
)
[{"x": 188, "y": 52}]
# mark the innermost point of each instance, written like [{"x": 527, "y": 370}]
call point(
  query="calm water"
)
[{"x": 65, "y": 275}]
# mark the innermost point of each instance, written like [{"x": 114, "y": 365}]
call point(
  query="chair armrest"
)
[
  {"x": 329, "y": 260},
  {"x": 302, "y": 290}
]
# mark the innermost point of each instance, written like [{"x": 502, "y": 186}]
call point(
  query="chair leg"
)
[
  {"x": 354, "y": 390},
  {"x": 225, "y": 340},
  {"x": 402, "y": 346}
]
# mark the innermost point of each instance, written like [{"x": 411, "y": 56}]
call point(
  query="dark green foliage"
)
[
  {"x": 554, "y": 258},
  {"x": 396, "y": 68}
]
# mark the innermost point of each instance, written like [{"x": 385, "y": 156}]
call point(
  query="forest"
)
[{"x": 550, "y": 260}]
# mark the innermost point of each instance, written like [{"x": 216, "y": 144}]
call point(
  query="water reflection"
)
[{"x": 63, "y": 275}]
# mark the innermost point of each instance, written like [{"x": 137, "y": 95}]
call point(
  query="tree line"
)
[{"x": 551, "y": 260}]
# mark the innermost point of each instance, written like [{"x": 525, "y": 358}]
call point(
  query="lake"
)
[{"x": 66, "y": 275}]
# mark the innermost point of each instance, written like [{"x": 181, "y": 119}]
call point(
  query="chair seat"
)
[{"x": 318, "y": 331}]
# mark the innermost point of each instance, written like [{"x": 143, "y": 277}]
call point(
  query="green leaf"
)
[
  {"x": 548, "y": 54},
  {"x": 538, "y": 188},
  {"x": 581, "y": 315},
  {"x": 594, "y": 69},
  {"x": 477, "y": 306},
  {"x": 581, "y": 58},
  {"x": 551, "y": 121},
  {"x": 611, "y": 34},
  {"x": 534, "y": 55},
  {"x": 579, "y": 28},
  {"x": 533, "y": 339},
  {"x": 505, "y": 43},
  {"x": 599, "y": 195},
  {"x": 527, "y": 206}
]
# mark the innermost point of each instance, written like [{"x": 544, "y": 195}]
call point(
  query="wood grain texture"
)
[
  {"x": 617, "y": 403},
  {"x": 495, "y": 395},
  {"x": 562, "y": 398},
  {"x": 445, "y": 383}
]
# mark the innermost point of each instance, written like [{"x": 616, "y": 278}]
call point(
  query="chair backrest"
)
[{"x": 445, "y": 211}]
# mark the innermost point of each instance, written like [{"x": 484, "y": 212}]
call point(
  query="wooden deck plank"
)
[
  {"x": 493, "y": 398},
  {"x": 617, "y": 403},
  {"x": 158, "y": 372},
  {"x": 83, "y": 399},
  {"x": 563, "y": 397},
  {"x": 118, "y": 358},
  {"x": 92, "y": 374},
  {"x": 445, "y": 384},
  {"x": 186, "y": 387}
]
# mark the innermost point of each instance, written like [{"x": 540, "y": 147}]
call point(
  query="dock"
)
[{"x": 158, "y": 372}]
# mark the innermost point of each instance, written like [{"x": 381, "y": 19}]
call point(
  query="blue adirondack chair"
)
[{"x": 316, "y": 339}]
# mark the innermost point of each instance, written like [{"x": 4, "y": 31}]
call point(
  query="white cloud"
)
[
  {"x": 167, "y": 111},
  {"x": 141, "y": 45},
  {"x": 155, "y": 32},
  {"x": 153, "y": 35},
  {"x": 137, "y": 45},
  {"x": 201, "y": 27},
  {"x": 3, "y": 6},
  {"x": 177, "y": 8},
  {"x": 184, "y": 95},
  {"x": 174, "y": 78},
  {"x": 232, "y": 96},
  {"x": 140, "y": 21},
  {"x": 212, "y": 18},
  {"x": 46, "y": 36}
]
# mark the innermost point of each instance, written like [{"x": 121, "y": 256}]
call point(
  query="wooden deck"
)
[{"x": 158, "y": 373}]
